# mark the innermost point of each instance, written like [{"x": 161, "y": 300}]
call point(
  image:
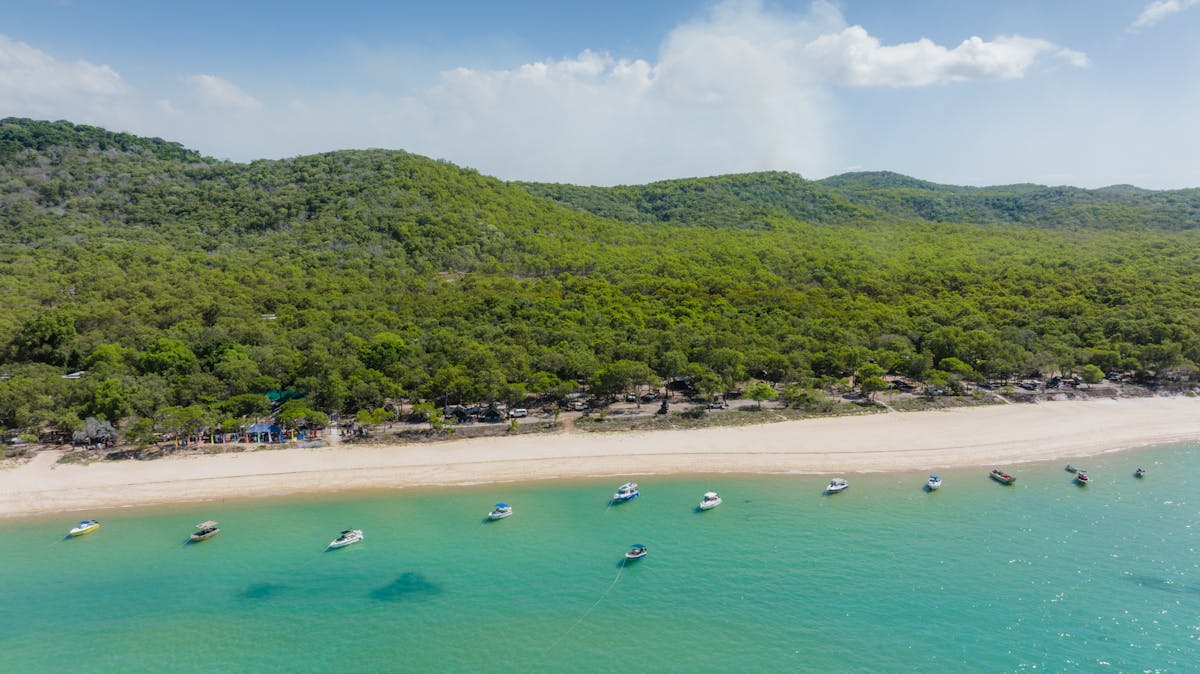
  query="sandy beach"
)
[{"x": 999, "y": 435}]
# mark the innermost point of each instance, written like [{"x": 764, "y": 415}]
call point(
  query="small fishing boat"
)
[
  {"x": 934, "y": 482},
  {"x": 626, "y": 492},
  {"x": 1072, "y": 469},
  {"x": 710, "y": 501},
  {"x": 347, "y": 537},
  {"x": 1082, "y": 477},
  {"x": 836, "y": 485},
  {"x": 206, "y": 530},
  {"x": 1140, "y": 472},
  {"x": 85, "y": 527},
  {"x": 636, "y": 552},
  {"x": 502, "y": 510},
  {"x": 1002, "y": 477}
]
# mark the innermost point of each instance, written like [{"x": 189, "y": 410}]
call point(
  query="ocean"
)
[{"x": 1042, "y": 575}]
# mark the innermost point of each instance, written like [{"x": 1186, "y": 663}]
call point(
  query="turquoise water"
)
[{"x": 884, "y": 577}]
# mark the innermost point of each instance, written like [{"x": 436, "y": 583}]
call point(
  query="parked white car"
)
[{"x": 518, "y": 413}]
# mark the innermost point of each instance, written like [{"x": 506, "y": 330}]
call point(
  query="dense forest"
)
[{"x": 192, "y": 293}]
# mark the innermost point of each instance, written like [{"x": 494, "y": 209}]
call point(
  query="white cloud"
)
[
  {"x": 1158, "y": 10},
  {"x": 33, "y": 82},
  {"x": 216, "y": 91},
  {"x": 854, "y": 57}
]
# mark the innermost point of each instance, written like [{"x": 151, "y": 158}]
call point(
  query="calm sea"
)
[{"x": 1043, "y": 575}]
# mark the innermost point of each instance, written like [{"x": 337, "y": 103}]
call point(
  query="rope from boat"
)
[{"x": 590, "y": 608}]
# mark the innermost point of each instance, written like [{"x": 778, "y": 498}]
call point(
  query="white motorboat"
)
[
  {"x": 502, "y": 510},
  {"x": 934, "y": 482},
  {"x": 836, "y": 485},
  {"x": 710, "y": 501},
  {"x": 206, "y": 530},
  {"x": 347, "y": 537},
  {"x": 626, "y": 492},
  {"x": 636, "y": 552},
  {"x": 85, "y": 527}
]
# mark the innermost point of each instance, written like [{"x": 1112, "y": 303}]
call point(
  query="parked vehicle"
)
[{"x": 517, "y": 413}]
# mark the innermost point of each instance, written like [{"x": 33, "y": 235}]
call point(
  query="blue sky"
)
[{"x": 1072, "y": 92}]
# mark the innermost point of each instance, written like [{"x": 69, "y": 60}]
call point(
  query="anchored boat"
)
[
  {"x": 206, "y": 530},
  {"x": 84, "y": 527},
  {"x": 626, "y": 492},
  {"x": 347, "y": 537},
  {"x": 1002, "y": 477}
]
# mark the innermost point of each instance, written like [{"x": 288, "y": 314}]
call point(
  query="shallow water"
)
[{"x": 883, "y": 577}]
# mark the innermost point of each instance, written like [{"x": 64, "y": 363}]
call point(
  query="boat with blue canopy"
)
[{"x": 626, "y": 492}]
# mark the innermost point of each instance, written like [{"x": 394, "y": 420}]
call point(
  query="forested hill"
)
[
  {"x": 745, "y": 200},
  {"x": 187, "y": 288}
]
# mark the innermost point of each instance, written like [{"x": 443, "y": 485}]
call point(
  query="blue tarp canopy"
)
[
  {"x": 264, "y": 428},
  {"x": 501, "y": 505}
]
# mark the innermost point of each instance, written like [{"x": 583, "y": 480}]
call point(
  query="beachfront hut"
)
[{"x": 264, "y": 433}]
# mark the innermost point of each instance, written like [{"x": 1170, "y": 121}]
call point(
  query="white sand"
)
[{"x": 936, "y": 440}]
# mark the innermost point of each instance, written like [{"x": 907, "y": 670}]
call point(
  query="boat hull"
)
[
  {"x": 710, "y": 505},
  {"x": 350, "y": 539},
  {"x": 622, "y": 498},
  {"x": 204, "y": 536},
  {"x": 498, "y": 516}
]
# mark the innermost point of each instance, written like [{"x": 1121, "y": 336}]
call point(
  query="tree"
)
[
  {"x": 1091, "y": 374},
  {"x": 621, "y": 376},
  {"x": 167, "y": 356},
  {"x": 760, "y": 391},
  {"x": 430, "y": 413},
  {"x": 45, "y": 338},
  {"x": 384, "y": 350},
  {"x": 872, "y": 385},
  {"x": 296, "y": 414},
  {"x": 95, "y": 432},
  {"x": 109, "y": 401},
  {"x": 796, "y": 396},
  {"x": 141, "y": 432},
  {"x": 709, "y": 385}
]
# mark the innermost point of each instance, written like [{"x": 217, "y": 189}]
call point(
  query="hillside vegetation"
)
[{"x": 187, "y": 288}]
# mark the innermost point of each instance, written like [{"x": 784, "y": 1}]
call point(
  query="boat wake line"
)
[{"x": 590, "y": 608}]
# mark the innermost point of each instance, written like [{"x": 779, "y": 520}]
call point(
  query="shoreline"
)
[{"x": 886, "y": 442}]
